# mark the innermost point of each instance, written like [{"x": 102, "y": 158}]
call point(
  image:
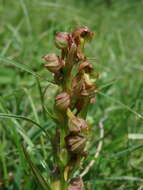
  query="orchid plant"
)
[{"x": 75, "y": 77}]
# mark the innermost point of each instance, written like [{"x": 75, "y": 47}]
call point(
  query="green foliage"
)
[{"x": 26, "y": 34}]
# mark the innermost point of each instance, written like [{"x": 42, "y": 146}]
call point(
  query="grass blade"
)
[
  {"x": 40, "y": 179},
  {"x": 32, "y": 105},
  {"x": 22, "y": 67},
  {"x": 18, "y": 65},
  {"x": 123, "y": 105},
  {"x": 4, "y": 115}
]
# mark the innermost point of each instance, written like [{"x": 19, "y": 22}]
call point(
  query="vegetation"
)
[{"x": 26, "y": 97}]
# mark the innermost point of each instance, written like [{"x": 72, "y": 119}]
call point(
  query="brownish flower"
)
[
  {"x": 77, "y": 125},
  {"x": 54, "y": 63},
  {"x": 82, "y": 32},
  {"x": 75, "y": 143},
  {"x": 77, "y": 84},
  {"x": 76, "y": 184},
  {"x": 62, "y": 101},
  {"x": 86, "y": 66},
  {"x": 80, "y": 35},
  {"x": 62, "y": 40},
  {"x": 88, "y": 87}
]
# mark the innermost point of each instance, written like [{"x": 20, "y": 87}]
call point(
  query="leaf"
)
[
  {"x": 17, "y": 126},
  {"x": 51, "y": 115},
  {"x": 122, "y": 178},
  {"x": 22, "y": 67},
  {"x": 32, "y": 105},
  {"x": 22, "y": 133},
  {"x": 130, "y": 149},
  {"x": 35, "y": 132},
  {"x": 4, "y": 115},
  {"x": 123, "y": 105},
  {"x": 40, "y": 179},
  {"x": 41, "y": 99},
  {"x": 18, "y": 65}
]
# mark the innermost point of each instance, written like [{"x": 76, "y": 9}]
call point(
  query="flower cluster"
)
[{"x": 73, "y": 73}]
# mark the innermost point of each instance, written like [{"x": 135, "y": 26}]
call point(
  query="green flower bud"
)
[
  {"x": 75, "y": 143},
  {"x": 53, "y": 62},
  {"x": 62, "y": 101},
  {"x": 62, "y": 40}
]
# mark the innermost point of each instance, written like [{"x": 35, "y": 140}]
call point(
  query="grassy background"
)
[{"x": 26, "y": 34}]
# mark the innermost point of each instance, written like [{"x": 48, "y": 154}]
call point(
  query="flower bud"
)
[
  {"x": 53, "y": 62},
  {"x": 76, "y": 184},
  {"x": 62, "y": 101},
  {"x": 62, "y": 40},
  {"x": 77, "y": 125},
  {"x": 75, "y": 143}
]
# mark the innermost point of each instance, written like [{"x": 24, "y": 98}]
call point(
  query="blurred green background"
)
[{"x": 27, "y": 28}]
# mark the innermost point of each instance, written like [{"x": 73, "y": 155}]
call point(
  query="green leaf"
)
[
  {"x": 123, "y": 105},
  {"x": 22, "y": 133},
  {"x": 22, "y": 67},
  {"x": 18, "y": 65},
  {"x": 40, "y": 179},
  {"x": 32, "y": 105},
  {"x": 4, "y": 115},
  {"x": 130, "y": 149}
]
